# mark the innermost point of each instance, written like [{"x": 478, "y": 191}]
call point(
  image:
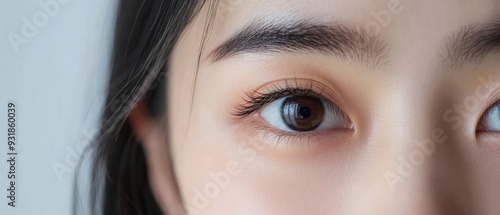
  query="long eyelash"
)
[{"x": 255, "y": 100}]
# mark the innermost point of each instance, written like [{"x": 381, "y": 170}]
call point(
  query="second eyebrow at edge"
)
[
  {"x": 472, "y": 44},
  {"x": 347, "y": 43}
]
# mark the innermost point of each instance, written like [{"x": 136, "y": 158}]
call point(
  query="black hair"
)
[{"x": 145, "y": 35}]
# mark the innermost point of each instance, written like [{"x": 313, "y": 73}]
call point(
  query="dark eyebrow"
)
[
  {"x": 345, "y": 42},
  {"x": 472, "y": 44}
]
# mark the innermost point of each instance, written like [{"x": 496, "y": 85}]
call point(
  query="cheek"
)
[{"x": 222, "y": 169}]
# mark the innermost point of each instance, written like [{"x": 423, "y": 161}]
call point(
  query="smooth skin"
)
[{"x": 415, "y": 146}]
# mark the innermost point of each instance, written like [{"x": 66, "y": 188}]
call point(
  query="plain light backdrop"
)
[{"x": 56, "y": 74}]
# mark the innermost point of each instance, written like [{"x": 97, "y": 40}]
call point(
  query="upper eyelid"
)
[
  {"x": 257, "y": 100},
  {"x": 300, "y": 86}
]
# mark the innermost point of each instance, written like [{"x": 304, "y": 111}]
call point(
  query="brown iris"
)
[{"x": 302, "y": 113}]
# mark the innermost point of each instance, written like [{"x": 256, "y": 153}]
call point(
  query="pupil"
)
[{"x": 304, "y": 112}]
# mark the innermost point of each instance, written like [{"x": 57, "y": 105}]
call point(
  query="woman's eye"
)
[
  {"x": 303, "y": 113},
  {"x": 490, "y": 121}
]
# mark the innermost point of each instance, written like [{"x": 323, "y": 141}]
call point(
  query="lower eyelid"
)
[
  {"x": 275, "y": 137},
  {"x": 272, "y": 141}
]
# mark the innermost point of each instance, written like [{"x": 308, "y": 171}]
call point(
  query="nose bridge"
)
[
  {"x": 407, "y": 133},
  {"x": 405, "y": 121}
]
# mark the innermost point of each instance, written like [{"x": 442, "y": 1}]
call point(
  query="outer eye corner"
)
[{"x": 490, "y": 120}]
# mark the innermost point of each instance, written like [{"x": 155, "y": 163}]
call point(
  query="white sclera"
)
[{"x": 492, "y": 119}]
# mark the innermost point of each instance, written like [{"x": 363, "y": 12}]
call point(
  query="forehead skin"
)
[
  {"x": 403, "y": 101},
  {"x": 413, "y": 28}
]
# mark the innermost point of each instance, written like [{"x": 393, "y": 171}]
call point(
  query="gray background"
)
[{"x": 57, "y": 80}]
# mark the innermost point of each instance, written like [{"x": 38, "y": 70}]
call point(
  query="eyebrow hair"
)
[
  {"x": 473, "y": 44},
  {"x": 347, "y": 43}
]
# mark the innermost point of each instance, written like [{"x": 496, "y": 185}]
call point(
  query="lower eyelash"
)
[{"x": 275, "y": 136}]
